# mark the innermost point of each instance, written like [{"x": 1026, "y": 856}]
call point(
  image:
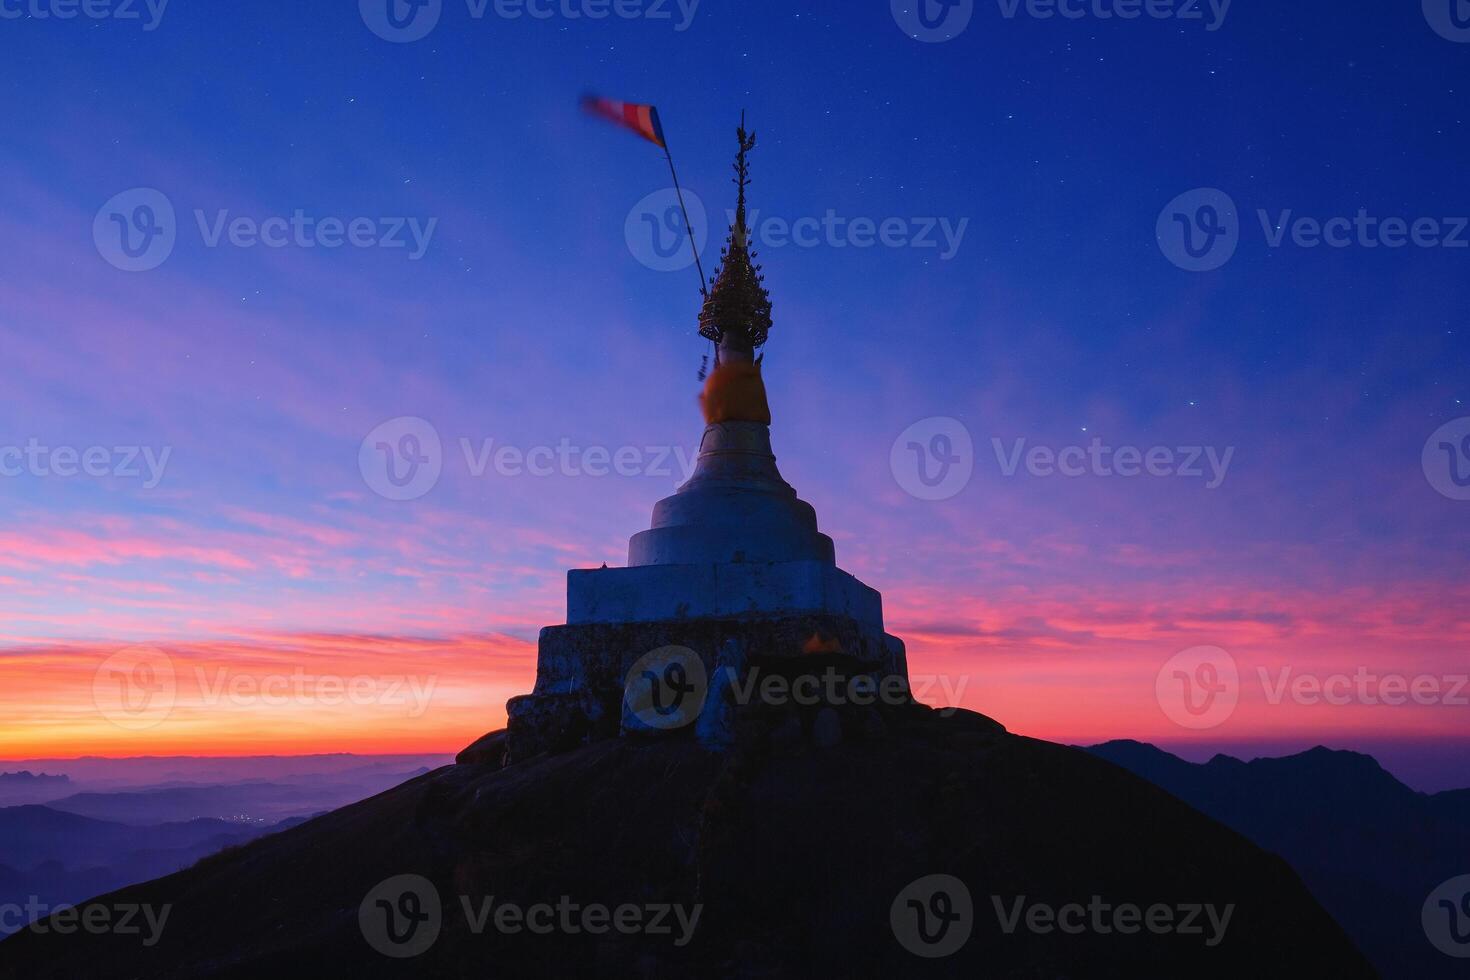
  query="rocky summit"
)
[{"x": 894, "y": 841}]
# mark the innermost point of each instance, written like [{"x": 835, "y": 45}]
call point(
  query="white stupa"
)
[{"x": 733, "y": 557}]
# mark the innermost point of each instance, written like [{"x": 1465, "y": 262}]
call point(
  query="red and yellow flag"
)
[{"x": 641, "y": 119}]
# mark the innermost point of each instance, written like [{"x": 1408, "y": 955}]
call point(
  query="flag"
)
[{"x": 641, "y": 119}]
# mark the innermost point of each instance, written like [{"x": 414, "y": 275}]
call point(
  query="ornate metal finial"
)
[
  {"x": 742, "y": 176},
  {"x": 737, "y": 311}
]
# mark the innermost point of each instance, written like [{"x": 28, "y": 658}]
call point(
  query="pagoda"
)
[{"x": 731, "y": 575}]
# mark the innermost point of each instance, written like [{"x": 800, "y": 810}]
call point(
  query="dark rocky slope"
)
[{"x": 796, "y": 853}]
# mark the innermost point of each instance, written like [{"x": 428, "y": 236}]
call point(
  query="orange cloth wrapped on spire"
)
[{"x": 734, "y": 392}]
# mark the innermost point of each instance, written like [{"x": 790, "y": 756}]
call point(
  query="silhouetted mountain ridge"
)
[
  {"x": 1370, "y": 848},
  {"x": 795, "y": 851},
  {"x": 258, "y": 800},
  {"x": 27, "y": 778},
  {"x": 57, "y": 858}
]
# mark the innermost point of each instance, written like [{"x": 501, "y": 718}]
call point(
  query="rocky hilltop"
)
[{"x": 917, "y": 843}]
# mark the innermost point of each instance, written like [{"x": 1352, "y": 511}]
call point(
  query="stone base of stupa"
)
[
  {"x": 731, "y": 586},
  {"x": 586, "y": 673}
]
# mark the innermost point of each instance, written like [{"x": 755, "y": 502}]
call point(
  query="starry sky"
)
[{"x": 1023, "y": 167}]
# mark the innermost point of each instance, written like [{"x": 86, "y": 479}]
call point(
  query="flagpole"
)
[{"x": 703, "y": 291}]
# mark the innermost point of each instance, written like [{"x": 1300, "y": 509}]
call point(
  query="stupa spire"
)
[{"x": 737, "y": 312}]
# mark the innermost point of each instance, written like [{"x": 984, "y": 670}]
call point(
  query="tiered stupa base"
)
[{"x": 734, "y": 570}]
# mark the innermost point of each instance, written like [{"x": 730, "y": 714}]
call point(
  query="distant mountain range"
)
[
  {"x": 95, "y": 772},
  {"x": 33, "y": 787},
  {"x": 27, "y": 778},
  {"x": 251, "y": 801},
  {"x": 59, "y": 847},
  {"x": 51, "y": 857},
  {"x": 34, "y": 835},
  {"x": 1368, "y": 847}
]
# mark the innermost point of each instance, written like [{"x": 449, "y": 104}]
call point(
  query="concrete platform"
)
[{"x": 651, "y": 593}]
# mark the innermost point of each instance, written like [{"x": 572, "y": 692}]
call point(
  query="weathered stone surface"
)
[
  {"x": 716, "y": 726},
  {"x": 827, "y": 729},
  {"x": 597, "y": 656},
  {"x": 872, "y": 726},
  {"x": 488, "y": 750},
  {"x": 788, "y": 736},
  {"x": 583, "y": 672},
  {"x": 553, "y": 723}
]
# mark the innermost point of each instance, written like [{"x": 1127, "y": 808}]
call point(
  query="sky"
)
[{"x": 1015, "y": 232}]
